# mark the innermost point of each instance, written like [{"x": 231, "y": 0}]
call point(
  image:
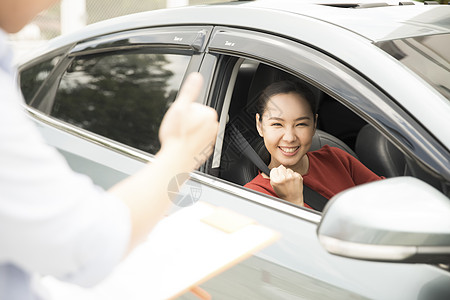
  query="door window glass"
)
[
  {"x": 122, "y": 96},
  {"x": 33, "y": 77}
]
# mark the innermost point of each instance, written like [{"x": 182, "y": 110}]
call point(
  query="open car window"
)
[{"x": 338, "y": 126}]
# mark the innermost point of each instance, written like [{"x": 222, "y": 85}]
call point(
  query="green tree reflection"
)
[{"x": 121, "y": 96}]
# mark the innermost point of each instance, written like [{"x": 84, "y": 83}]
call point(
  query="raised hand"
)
[
  {"x": 188, "y": 126},
  {"x": 287, "y": 184}
]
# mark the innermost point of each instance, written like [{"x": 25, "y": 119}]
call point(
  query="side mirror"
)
[{"x": 400, "y": 219}]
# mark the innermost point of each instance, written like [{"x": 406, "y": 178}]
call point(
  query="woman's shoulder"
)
[
  {"x": 328, "y": 150},
  {"x": 331, "y": 155}
]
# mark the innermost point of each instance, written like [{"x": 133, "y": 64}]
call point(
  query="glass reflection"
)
[
  {"x": 427, "y": 56},
  {"x": 121, "y": 96},
  {"x": 32, "y": 78}
]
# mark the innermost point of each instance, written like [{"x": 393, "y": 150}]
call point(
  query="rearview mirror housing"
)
[{"x": 399, "y": 219}]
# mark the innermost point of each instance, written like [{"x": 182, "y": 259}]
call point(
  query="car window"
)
[
  {"x": 121, "y": 96},
  {"x": 348, "y": 104},
  {"x": 337, "y": 125},
  {"x": 32, "y": 78}
]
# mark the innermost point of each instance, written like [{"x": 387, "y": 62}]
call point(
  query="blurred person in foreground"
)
[{"x": 56, "y": 222}]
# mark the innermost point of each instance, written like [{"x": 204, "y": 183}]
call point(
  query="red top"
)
[{"x": 331, "y": 170}]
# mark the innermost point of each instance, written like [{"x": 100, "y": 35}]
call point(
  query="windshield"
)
[{"x": 427, "y": 56}]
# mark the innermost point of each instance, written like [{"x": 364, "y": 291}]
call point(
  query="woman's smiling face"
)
[{"x": 287, "y": 127}]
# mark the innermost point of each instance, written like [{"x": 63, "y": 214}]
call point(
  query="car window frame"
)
[
  {"x": 324, "y": 72},
  {"x": 190, "y": 41},
  {"x": 61, "y": 52}
]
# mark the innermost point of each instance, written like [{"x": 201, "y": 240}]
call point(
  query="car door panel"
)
[
  {"x": 298, "y": 251},
  {"x": 104, "y": 166}
]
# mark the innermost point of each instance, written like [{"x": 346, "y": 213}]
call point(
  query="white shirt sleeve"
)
[{"x": 52, "y": 220}]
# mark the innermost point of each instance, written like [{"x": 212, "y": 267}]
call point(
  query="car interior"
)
[{"x": 337, "y": 126}]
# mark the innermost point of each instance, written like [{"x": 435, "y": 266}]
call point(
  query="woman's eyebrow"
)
[
  {"x": 303, "y": 118},
  {"x": 298, "y": 119}
]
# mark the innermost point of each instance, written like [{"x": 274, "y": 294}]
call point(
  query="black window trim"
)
[
  {"x": 62, "y": 52},
  {"x": 186, "y": 37},
  {"x": 45, "y": 117},
  {"x": 190, "y": 35},
  {"x": 46, "y": 93}
]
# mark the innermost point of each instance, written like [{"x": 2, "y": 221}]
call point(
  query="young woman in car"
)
[{"x": 286, "y": 119}]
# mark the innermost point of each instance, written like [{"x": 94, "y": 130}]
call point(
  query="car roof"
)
[
  {"x": 368, "y": 18},
  {"x": 375, "y": 20},
  {"x": 286, "y": 17}
]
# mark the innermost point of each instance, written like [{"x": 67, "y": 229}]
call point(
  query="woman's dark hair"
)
[{"x": 285, "y": 87}]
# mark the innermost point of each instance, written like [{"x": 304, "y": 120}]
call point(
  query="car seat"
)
[
  {"x": 378, "y": 154},
  {"x": 385, "y": 159}
]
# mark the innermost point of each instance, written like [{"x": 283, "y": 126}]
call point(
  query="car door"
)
[
  {"x": 100, "y": 101},
  {"x": 297, "y": 267}
]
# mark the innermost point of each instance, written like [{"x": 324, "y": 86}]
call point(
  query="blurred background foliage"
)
[{"x": 98, "y": 10}]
